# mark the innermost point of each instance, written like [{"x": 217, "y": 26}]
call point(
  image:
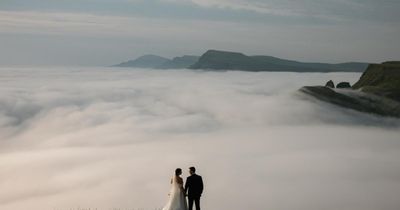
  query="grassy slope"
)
[{"x": 382, "y": 79}]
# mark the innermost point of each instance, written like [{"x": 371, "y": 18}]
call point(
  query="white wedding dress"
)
[{"x": 177, "y": 200}]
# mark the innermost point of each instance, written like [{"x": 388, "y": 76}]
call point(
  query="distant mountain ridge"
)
[
  {"x": 225, "y": 60},
  {"x": 180, "y": 62},
  {"x": 158, "y": 62},
  {"x": 145, "y": 61}
]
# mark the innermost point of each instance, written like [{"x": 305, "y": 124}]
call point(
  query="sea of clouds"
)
[{"x": 111, "y": 138}]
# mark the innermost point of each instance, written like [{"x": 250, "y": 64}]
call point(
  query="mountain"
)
[
  {"x": 158, "y": 62},
  {"x": 180, "y": 62},
  {"x": 224, "y": 60},
  {"x": 376, "y": 92},
  {"x": 145, "y": 61}
]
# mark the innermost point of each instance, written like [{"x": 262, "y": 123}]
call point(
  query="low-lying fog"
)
[{"x": 111, "y": 138}]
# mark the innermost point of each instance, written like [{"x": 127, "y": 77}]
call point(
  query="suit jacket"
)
[{"x": 194, "y": 186}]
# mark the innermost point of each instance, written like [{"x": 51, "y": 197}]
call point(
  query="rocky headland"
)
[{"x": 376, "y": 92}]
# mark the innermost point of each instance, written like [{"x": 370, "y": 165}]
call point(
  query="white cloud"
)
[
  {"x": 111, "y": 138},
  {"x": 339, "y": 10},
  {"x": 79, "y": 24},
  {"x": 255, "y": 6},
  {"x": 69, "y": 23},
  {"x": 139, "y": 29}
]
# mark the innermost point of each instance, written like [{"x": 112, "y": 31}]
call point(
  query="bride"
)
[{"x": 177, "y": 200}]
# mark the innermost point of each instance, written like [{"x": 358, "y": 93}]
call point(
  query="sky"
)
[
  {"x": 101, "y": 138},
  {"x": 105, "y": 32}
]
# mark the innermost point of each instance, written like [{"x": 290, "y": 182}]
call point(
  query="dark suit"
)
[{"x": 194, "y": 188}]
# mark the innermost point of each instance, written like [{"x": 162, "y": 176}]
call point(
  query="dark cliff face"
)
[
  {"x": 223, "y": 60},
  {"x": 381, "y": 79}
]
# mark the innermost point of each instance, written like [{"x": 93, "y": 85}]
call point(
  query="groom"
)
[{"x": 194, "y": 188}]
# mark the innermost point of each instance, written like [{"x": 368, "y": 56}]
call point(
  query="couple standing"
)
[{"x": 193, "y": 190}]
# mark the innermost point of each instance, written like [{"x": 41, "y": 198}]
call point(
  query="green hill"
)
[{"x": 381, "y": 79}]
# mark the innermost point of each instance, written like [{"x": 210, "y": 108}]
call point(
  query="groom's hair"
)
[
  {"x": 178, "y": 171},
  {"x": 192, "y": 169}
]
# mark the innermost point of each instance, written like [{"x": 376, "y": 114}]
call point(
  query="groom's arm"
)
[
  {"x": 201, "y": 186},
  {"x": 186, "y": 185}
]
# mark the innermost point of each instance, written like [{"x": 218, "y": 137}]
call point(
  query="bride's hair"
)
[{"x": 178, "y": 171}]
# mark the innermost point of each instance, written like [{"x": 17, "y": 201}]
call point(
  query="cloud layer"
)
[
  {"x": 366, "y": 10},
  {"x": 104, "y": 138},
  {"x": 323, "y": 9}
]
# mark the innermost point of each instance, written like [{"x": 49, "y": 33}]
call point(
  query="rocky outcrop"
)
[
  {"x": 330, "y": 84},
  {"x": 377, "y": 91},
  {"x": 343, "y": 85}
]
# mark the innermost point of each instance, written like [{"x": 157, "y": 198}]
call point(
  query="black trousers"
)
[{"x": 196, "y": 202}]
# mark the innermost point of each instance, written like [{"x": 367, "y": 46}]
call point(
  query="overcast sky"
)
[{"x": 105, "y": 32}]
